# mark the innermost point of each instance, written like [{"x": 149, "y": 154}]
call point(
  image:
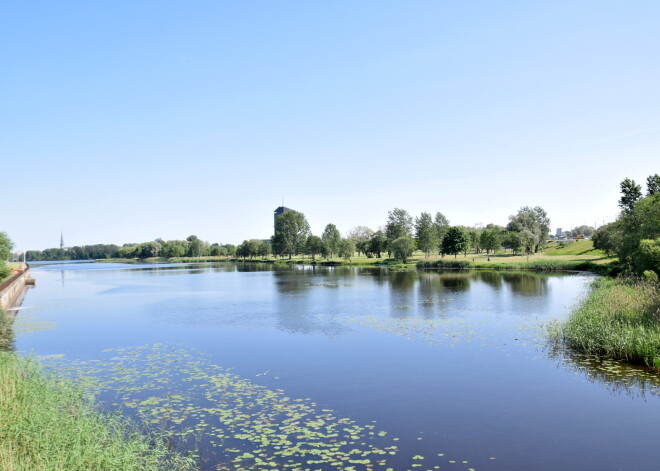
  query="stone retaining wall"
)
[{"x": 12, "y": 289}]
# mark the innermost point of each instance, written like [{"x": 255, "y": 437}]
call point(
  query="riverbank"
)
[
  {"x": 45, "y": 424},
  {"x": 576, "y": 256},
  {"x": 619, "y": 319}
]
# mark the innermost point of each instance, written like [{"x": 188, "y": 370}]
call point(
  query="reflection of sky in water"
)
[{"x": 452, "y": 356}]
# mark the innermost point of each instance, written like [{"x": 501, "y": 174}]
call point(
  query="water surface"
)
[{"x": 373, "y": 369}]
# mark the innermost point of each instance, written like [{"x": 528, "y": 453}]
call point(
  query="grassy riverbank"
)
[
  {"x": 579, "y": 256},
  {"x": 45, "y": 424},
  {"x": 619, "y": 319}
]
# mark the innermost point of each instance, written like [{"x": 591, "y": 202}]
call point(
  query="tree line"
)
[
  {"x": 526, "y": 232},
  {"x": 635, "y": 235}
]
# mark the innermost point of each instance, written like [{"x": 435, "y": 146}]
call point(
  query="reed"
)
[
  {"x": 619, "y": 319},
  {"x": 46, "y": 424}
]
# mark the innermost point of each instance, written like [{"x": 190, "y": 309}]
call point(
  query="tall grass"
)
[
  {"x": 619, "y": 319},
  {"x": 46, "y": 425}
]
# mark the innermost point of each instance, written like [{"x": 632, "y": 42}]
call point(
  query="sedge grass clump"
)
[
  {"x": 46, "y": 424},
  {"x": 619, "y": 319}
]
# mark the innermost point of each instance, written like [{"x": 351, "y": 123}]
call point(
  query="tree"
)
[
  {"x": 441, "y": 226},
  {"x": 514, "y": 241},
  {"x": 313, "y": 246},
  {"x": 455, "y": 241},
  {"x": 6, "y": 246},
  {"x": 331, "y": 238},
  {"x": 608, "y": 238},
  {"x": 346, "y": 249},
  {"x": 535, "y": 220},
  {"x": 361, "y": 235},
  {"x": 630, "y": 193},
  {"x": 264, "y": 249},
  {"x": 647, "y": 257},
  {"x": 195, "y": 247},
  {"x": 426, "y": 234},
  {"x": 403, "y": 248},
  {"x": 377, "y": 244},
  {"x": 291, "y": 230},
  {"x": 491, "y": 238},
  {"x": 652, "y": 185},
  {"x": 399, "y": 224}
]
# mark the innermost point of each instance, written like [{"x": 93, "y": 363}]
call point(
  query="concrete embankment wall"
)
[{"x": 12, "y": 289}]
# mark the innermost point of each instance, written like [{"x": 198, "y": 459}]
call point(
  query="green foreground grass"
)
[
  {"x": 46, "y": 424},
  {"x": 619, "y": 319}
]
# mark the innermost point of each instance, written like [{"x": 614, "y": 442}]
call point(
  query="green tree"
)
[
  {"x": 513, "y": 240},
  {"x": 441, "y": 226},
  {"x": 403, "y": 248},
  {"x": 6, "y": 245},
  {"x": 631, "y": 192},
  {"x": 195, "y": 246},
  {"x": 313, "y": 246},
  {"x": 535, "y": 220},
  {"x": 361, "y": 236},
  {"x": 455, "y": 241},
  {"x": 291, "y": 231},
  {"x": 346, "y": 249},
  {"x": 331, "y": 238},
  {"x": 426, "y": 234},
  {"x": 265, "y": 249},
  {"x": 652, "y": 185},
  {"x": 608, "y": 238},
  {"x": 647, "y": 257},
  {"x": 399, "y": 224},
  {"x": 377, "y": 244},
  {"x": 491, "y": 238}
]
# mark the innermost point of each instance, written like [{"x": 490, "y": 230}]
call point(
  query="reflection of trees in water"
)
[
  {"x": 618, "y": 377},
  {"x": 402, "y": 284},
  {"x": 435, "y": 289},
  {"x": 296, "y": 307},
  {"x": 491, "y": 278},
  {"x": 527, "y": 284}
]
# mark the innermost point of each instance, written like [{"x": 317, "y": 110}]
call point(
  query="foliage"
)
[
  {"x": 313, "y": 246},
  {"x": 346, "y": 249},
  {"x": 513, "y": 241},
  {"x": 331, "y": 238},
  {"x": 535, "y": 221},
  {"x": 5, "y": 247},
  {"x": 47, "y": 425},
  {"x": 652, "y": 185},
  {"x": 455, "y": 241},
  {"x": 647, "y": 256},
  {"x": 630, "y": 193},
  {"x": 377, "y": 244},
  {"x": 441, "y": 224},
  {"x": 426, "y": 233},
  {"x": 399, "y": 224},
  {"x": 291, "y": 231},
  {"x": 403, "y": 248},
  {"x": 619, "y": 319},
  {"x": 491, "y": 239},
  {"x": 638, "y": 222}
]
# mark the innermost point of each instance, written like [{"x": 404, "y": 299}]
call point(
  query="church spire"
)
[{"x": 61, "y": 240}]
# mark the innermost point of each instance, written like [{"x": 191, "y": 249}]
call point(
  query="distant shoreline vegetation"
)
[{"x": 634, "y": 239}]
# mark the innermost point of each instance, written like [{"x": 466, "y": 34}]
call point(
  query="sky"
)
[{"x": 129, "y": 121}]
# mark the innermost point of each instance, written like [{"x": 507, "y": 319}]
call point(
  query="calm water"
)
[{"x": 342, "y": 368}]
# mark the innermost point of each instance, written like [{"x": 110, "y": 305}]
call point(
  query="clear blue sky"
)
[{"x": 127, "y": 121}]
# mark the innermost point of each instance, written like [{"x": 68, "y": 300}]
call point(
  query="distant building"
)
[
  {"x": 61, "y": 240},
  {"x": 558, "y": 233},
  {"x": 279, "y": 211}
]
